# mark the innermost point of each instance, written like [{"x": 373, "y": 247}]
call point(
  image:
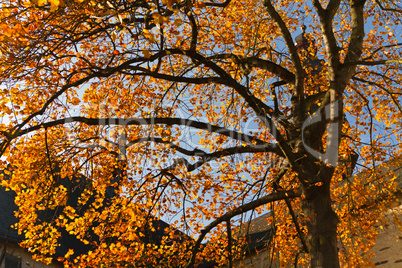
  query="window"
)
[{"x": 11, "y": 261}]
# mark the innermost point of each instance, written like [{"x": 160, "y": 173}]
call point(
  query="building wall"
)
[
  {"x": 388, "y": 247},
  {"x": 260, "y": 260},
  {"x": 22, "y": 256}
]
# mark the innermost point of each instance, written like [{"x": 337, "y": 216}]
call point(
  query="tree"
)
[{"x": 189, "y": 102}]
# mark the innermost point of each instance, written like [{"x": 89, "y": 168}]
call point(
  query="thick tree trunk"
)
[{"x": 321, "y": 222}]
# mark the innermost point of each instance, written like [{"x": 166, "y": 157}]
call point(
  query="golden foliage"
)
[{"x": 177, "y": 100}]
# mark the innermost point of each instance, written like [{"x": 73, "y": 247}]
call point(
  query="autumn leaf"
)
[
  {"x": 148, "y": 35},
  {"x": 117, "y": 114},
  {"x": 113, "y": 36},
  {"x": 178, "y": 22},
  {"x": 146, "y": 53}
]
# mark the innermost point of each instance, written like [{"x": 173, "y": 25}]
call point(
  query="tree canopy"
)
[{"x": 201, "y": 113}]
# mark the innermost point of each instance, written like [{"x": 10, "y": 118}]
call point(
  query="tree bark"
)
[{"x": 321, "y": 220}]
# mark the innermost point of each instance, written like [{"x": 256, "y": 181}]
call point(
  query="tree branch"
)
[
  {"x": 237, "y": 211},
  {"x": 326, "y": 16},
  {"x": 355, "y": 47},
  {"x": 387, "y": 9},
  {"x": 173, "y": 78},
  {"x": 299, "y": 74},
  {"x": 270, "y": 66},
  {"x": 261, "y": 147},
  {"x": 194, "y": 30},
  {"x": 373, "y": 63},
  {"x": 169, "y": 121},
  {"x": 224, "y": 4},
  {"x": 372, "y": 53},
  {"x": 261, "y": 109},
  {"x": 229, "y": 231},
  {"x": 277, "y": 187},
  {"x": 208, "y": 157},
  {"x": 297, "y": 226},
  {"x": 396, "y": 102}
]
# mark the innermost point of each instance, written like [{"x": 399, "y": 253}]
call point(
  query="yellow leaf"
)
[
  {"x": 113, "y": 36},
  {"x": 54, "y": 4},
  {"x": 159, "y": 19},
  {"x": 39, "y": 2},
  {"x": 146, "y": 53},
  {"x": 148, "y": 35},
  {"x": 178, "y": 22}
]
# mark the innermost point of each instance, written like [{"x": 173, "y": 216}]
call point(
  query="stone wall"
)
[{"x": 388, "y": 247}]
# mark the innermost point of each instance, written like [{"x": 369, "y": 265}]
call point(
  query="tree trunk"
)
[{"x": 321, "y": 221}]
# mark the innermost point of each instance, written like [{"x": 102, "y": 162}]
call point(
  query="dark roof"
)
[
  {"x": 7, "y": 218},
  {"x": 258, "y": 233},
  {"x": 258, "y": 240},
  {"x": 68, "y": 241}
]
